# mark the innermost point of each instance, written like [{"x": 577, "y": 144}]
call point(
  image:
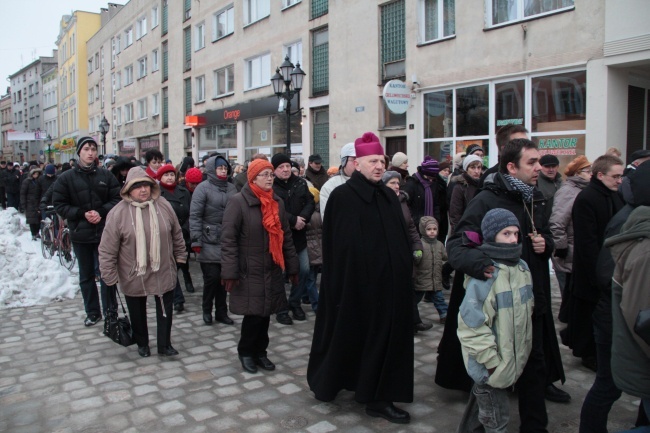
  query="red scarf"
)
[{"x": 271, "y": 222}]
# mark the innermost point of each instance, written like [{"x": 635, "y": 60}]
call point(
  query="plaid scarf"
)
[{"x": 525, "y": 190}]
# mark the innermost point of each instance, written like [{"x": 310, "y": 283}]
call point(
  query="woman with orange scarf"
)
[{"x": 256, "y": 250}]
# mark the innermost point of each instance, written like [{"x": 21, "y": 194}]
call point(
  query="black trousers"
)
[
  {"x": 213, "y": 291},
  {"x": 3, "y": 197},
  {"x": 532, "y": 383},
  {"x": 137, "y": 306},
  {"x": 254, "y": 338}
]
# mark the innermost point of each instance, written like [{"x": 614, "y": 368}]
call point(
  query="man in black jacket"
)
[
  {"x": 299, "y": 204},
  {"x": 3, "y": 175},
  {"x": 12, "y": 186},
  {"x": 84, "y": 195},
  {"x": 513, "y": 188},
  {"x": 316, "y": 173}
]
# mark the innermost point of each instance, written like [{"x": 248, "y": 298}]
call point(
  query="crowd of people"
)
[{"x": 386, "y": 239}]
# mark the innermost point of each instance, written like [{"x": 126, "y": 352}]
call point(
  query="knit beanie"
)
[
  {"x": 470, "y": 159},
  {"x": 426, "y": 221},
  {"x": 473, "y": 148},
  {"x": 390, "y": 175},
  {"x": 193, "y": 175},
  {"x": 398, "y": 159},
  {"x": 165, "y": 169},
  {"x": 279, "y": 159},
  {"x": 50, "y": 169},
  {"x": 576, "y": 165},
  {"x": 368, "y": 144},
  {"x": 496, "y": 220},
  {"x": 429, "y": 166},
  {"x": 83, "y": 141},
  {"x": 256, "y": 166},
  {"x": 444, "y": 165}
]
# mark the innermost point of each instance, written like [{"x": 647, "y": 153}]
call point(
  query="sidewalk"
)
[{"x": 58, "y": 376}]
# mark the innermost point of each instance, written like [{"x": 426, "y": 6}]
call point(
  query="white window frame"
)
[
  {"x": 142, "y": 67},
  {"x": 229, "y": 71},
  {"x": 518, "y": 12},
  {"x": 154, "y": 17},
  {"x": 227, "y": 15},
  {"x": 289, "y": 3},
  {"x": 255, "y": 10},
  {"x": 199, "y": 88},
  {"x": 294, "y": 51},
  {"x": 155, "y": 60},
  {"x": 128, "y": 75},
  {"x": 128, "y": 112},
  {"x": 118, "y": 80},
  {"x": 142, "y": 109},
  {"x": 128, "y": 37},
  {"x": 257, "y": 71},
  {"x": 141, "y": 27},
  {"x": 199, "y": 36},
  {"x": 155, "y": 104},
  {"x": 440, "y": 5},
  {"x": 91, "y": 95},
  {"x": 118, "y": 116}
]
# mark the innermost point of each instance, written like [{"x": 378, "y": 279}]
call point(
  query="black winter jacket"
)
[
  {"x": 298, "y": 201},
  {"x": 29, "y": 200},
  {"x": 180, "y": 201},
  {"x": 12, "y": 181},
  {"x": 76, "y": 192},
  {"x": 415, "y": 191}
]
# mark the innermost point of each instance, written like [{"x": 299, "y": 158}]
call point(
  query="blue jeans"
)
[
  {"x": 646, "y": 428},
  {"x": 297, "y": 292},
  {"x": 488, "y": 407},
  {"x": 86, "y": 256},
  {"x": 440, "y": 304},
  {"x": 312, "y": 290}
]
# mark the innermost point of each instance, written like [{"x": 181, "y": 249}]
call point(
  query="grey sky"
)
[{"x": 30, "y": 29}]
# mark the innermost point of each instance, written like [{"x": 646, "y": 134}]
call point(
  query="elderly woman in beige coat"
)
[{"x": 140, "y": 247}]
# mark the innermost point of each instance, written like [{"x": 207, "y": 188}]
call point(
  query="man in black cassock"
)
[{"x": 363, "y": 336}]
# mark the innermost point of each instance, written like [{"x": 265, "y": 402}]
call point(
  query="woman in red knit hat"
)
[{"x": 257, "y": 248}]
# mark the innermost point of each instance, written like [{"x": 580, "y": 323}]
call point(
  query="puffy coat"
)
[
  {"x": 465, "y": 190},
  {"x": 207, "y": 211},
  {"x": 314, "y": 238},
  {"x": 117, "y": 249},
  {"x": 78, "y": 191},
  {"x": 561, "y": 223},
  {"x": 428, "y": 270},
  {"x": 29, "y": 198},
  {"x": 180, "y": 200},
  {"x": 246, "y": 257},
  {"x": 298, "y": 201},
  {"x": 495, "y": 325}
]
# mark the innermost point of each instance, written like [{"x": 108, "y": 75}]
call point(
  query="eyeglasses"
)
[
  {"x": 615, "y": 177},
  {"x": 585, "y": 170},
  {"x": 266, "y": 175}
]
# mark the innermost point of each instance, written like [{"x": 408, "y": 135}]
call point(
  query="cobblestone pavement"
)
[{"x": 58, "y": 376}]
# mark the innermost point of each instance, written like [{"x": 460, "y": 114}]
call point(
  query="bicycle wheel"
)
[
  {"x": 66, "y": 253},
  {"x": 47, "y": 241}
]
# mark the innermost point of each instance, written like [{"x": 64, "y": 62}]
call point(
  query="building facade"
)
[
  {"x": 194, "y": 77},
  {"x": 6, "y": 124},
  {"x": 50, "y": 116}
]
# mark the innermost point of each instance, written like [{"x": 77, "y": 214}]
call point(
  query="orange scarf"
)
[{"x": 271, "y": 223}]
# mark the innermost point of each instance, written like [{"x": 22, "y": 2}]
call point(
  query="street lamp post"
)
[
  {"x": 49, "y": 149},
  {"x": 287, "y": 82},
  {"x": 104, "y": 126}
]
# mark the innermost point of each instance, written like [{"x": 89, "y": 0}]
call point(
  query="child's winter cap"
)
[
  {"x": 426, "y": 221},
  {"x": 496, "y": 220}
]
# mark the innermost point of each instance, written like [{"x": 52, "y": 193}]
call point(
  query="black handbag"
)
[
  {"x": 118, "y": 328},
  {"x": 642, "y": 325}
]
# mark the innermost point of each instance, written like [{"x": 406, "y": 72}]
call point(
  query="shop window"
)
[
  {"x": 392, "y": 120},
  {"x": 218, "y": 137},
  {"x": 438, "y": 114},
  {"x": 559, "y": 102},
  {"x": 472, "y": 110},
  {"x": 510, "y": 100}
]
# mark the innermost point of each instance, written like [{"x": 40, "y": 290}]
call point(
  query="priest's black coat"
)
[{"x": 363, "y": 336}]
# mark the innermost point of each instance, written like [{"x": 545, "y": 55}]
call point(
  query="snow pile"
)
[{"x": 26, "y": 278}]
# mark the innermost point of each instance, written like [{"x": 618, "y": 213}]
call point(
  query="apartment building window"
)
[
  {"x": 91, "y": 124},
  {"x": 187, "y": 9},
  {"x": 102, "y": 93},
  {"x": 128, "y": 113},
  {"x": 31, "y": 90},
  {"x": 128, "y": 37},
  {"x": 97, "y": 92},
  {"x": 91, "y": 96},
  {"x": 96, "y": 61},
  {"x": 165, "y": 13},
  {"x": 165, "y": 107},
  {"x": 255, "y": 10},
  {"x": 257, "y": 71},
  {"x": 38, "y": 110},
  {"x": 224, "y": 81},
  {"x": 155, "y": 104},
  {"x": 508, "y": 11},
  {"x": 118, "y": 117},
  {"x": 142, "y": 67},
  {"x": 118, "y": 80},
  {"x": 155, "y": 60},
  {"x": 141, "y": 27},
  {"x": 188, "y": 96},
  {"x": 320, "y": 62},
  {"x": 73, "y": 79},
  {"x": 118, "y": 44},
  {"x": 321, "y": 133},
  {"x": 142, "y": 109},
  {"x": 437, "y": 19},
  {"x": 287, "y": 3},
  {"x": 199, "y": 36},
  {"x": 187, "y": 37},
  {"x": 165, "y": 62},
  {"x": 319, "y": 8},
  {"x": 154, "y": 17},
  {"x": 200, "y": 88},
  {"x": 294, "y": 51},
  {"x": 74, "y": 119},
  {"x": 393, "y": 40},
  {"x": 223, "y": 23},
  {"x": 113, "y": 88},
  {"x": 113, "y": 53},
  {"x": 101, "y": 61},
  {"x": 73, "y": 44},
  {"x": 90, "y": 66},
  {"x": 128, "y": 75}
]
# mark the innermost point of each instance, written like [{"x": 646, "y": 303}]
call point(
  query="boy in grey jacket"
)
[{"x": 495, "y": 324}]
